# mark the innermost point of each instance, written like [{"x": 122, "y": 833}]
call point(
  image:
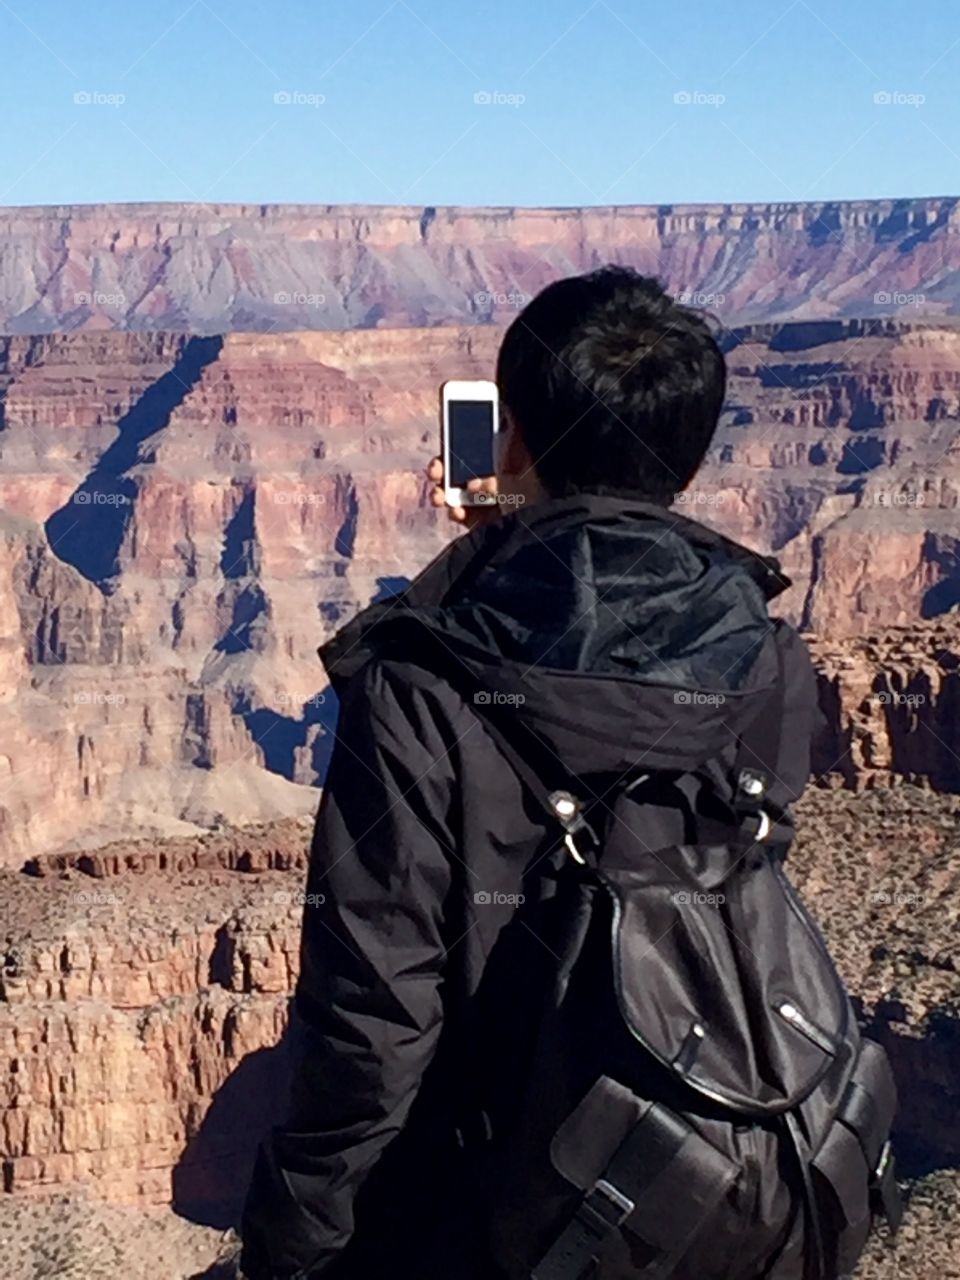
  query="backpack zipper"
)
[{"x": 797, "y": 1018}]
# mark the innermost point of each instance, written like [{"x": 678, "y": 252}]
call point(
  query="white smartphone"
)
[{"x": 469, "y": 422}]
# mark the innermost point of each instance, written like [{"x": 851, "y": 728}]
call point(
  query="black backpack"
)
[{"x": 698, "y": 1102}]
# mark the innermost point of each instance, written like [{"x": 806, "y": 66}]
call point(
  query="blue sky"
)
[{"x": 556, "y": 102}]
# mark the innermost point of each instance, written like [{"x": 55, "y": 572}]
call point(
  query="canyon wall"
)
[
  {"x": 184, "y": 517},
  {"x": 144, "y": 1037},
  {"x": 213, "y": 425},
  {"x": 142, "y": 1019},
  {"x": 210, "y": 269},
  {"x": 144, "y": 994},
  {"x": 891, "y": 707},
  {"x": 183, "y": 520}
]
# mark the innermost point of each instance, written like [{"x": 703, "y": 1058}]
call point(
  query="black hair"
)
[{"x": 614, "y": 386}]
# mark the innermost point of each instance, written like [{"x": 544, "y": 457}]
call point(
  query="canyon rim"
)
[{"x": 213, "y": 426}]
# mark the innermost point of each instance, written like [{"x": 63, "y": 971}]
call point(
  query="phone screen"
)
[{"x": 470, "y": 440}]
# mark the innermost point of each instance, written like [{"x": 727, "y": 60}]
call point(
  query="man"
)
[{"x": 590, "y": 590}]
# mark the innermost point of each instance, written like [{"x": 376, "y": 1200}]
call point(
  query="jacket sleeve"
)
[{"x": 368, "y": 1000}]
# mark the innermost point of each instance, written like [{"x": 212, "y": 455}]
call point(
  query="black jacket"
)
[{"x": 416, "y": 987}]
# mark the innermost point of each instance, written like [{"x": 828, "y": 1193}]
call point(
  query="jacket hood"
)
[{"x": 618, "y": 630}]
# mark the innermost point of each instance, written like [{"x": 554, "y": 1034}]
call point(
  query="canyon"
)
[
  {"x": 211, "y": 268},
  {"x": 185, "y": 519},
  {"x": 144, "y": 1037},
  {"x": 213, "y": 427}
]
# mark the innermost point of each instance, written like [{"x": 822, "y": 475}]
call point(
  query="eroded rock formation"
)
[
  {"x": 185, "y": 516},
  {"x": 143, "y": 1012},
  {"x": 215, "y": 268},
  {"x": 142, "y": 1017},
  {"x": 184, "y": 520},
  {"x": 891, "y": 707}
]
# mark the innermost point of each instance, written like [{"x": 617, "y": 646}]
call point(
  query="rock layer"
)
[
  {"x": 142, "y": 1020},
  {"x": 215, "y": 268},
  {"x": 183, "y": 520},
  {"x": 143, "y": 1012},
  {"x": 891, "y": 707}
]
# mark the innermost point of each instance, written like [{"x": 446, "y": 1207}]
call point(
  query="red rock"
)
[
  {"x": 274, "y": 483},
  {"x": 272, "y": 267}
]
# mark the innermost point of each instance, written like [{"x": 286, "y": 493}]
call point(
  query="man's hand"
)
[{"x": 468, "y": 517}]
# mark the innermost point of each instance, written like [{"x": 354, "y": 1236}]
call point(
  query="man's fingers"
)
[
  {"x": 438, "y": 498},
  {"x": 465, "y": 516}
]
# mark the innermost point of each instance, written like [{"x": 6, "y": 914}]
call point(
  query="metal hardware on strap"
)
[
  {"x": 603, "y": 1210},
  {"x": 885, "y": 1192},
  {"x": 605, "y": 1203},
  {"x": 752, "y": 786},
  {"x": 568, "y": 811}
]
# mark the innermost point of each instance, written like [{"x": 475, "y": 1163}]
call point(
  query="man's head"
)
[{"x": 609, "y": 386}]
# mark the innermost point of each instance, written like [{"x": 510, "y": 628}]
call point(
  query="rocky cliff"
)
[
  {"x": 188, "y": 508},
  {"x": 143, "y": 1019},
  {"x": 891, "y": 707},
  {"x": 184, "y": 519},
  {"x": 211, "y": 269}
]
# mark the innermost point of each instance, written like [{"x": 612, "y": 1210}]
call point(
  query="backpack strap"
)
[
  {"x": 755, "y": 764},
  {"x": 661, "y": 1159},
  {"x": 563, "y": 805},
  {"x": 814, "y": 1256},
  {"x": 537, "y": 767}
]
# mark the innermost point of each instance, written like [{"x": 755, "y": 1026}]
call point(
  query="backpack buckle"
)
[
  {"x": 752, "y": 787},
  {"x": 568, "y": 811},
  {"x": 607, "y": 1205}
]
